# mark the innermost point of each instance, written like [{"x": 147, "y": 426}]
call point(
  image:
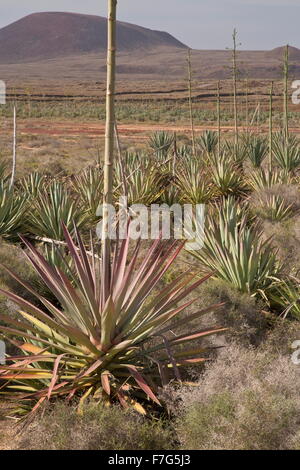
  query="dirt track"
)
[{"x": 95, "y": 129}]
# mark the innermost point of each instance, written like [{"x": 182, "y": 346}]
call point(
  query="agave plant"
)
[
  {"x": 160, "y": 143},
  {"x": 274, "y": 207},
  {"x": 89, "y": 186},
  {"x": 235, "y": 152},
  {"x": 53, "y": 206},
  {"x": 208, "y": 141},
  {"x": 286, "y": 152},
  {"x": 286, "y": 296},
  {"x": 265, "y": 178},
  {"x": 184, "y": 152},
  {"x": 32, "y": 184},
  {"x": 171, "y": 195},
  {"x": 194, "y": 183},
  {"x": 101, "y": 343},
  {"x": 226, "y": 176},
  {"x": 237, "y": 252},
  {"x": 257, "y": 150},
  {"x": 3, "y": 171},
  {"x": 144, "y": 182},
  {"x": 12, "y": 212}
]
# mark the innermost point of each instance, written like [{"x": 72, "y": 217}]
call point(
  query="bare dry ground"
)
[
  {"x": 126, "y": 131},
  {"x": 7, "y": 430},
  {"x": 62, "y": 142}
]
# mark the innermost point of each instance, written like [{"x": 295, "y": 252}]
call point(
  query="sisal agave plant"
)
[
  {"x": 193, "y": 182},
  {"x": 236, "y": 152},
  {"x": 144, "y": 182},
  {"x": 160, "y": 143},
  {"x": 286, "y": 152},
  {"x": 265, "y": 178},
  {"x": 274, "y": 207},
  {"x": 208, "y": 141},
  {"x": 257, "y": 150},
  {"x": 236, "y": 251},
  {"x": 286, "y": 296},
  {"x": 184, "y": 152},
  {"x": 53, "y": 206},
  {"x": 32, "y": 184},
  {"x": 89, "y": 187},
  {"x": 226, "y": 176},
  {"x": 12, "y": 212},
  {"x": 98, "y": 343},
  {"x": 171, "y": 195}
]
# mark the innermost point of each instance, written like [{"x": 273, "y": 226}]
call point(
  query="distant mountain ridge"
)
[
  {"x": 73, "y": 46},
  {"x": 278, "y": 53},
  {"x": 53, "y": 34}
]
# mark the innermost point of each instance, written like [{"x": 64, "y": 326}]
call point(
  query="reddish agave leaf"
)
[
  {"x": 121, "y": 398},
  {"x": 189, "y": 318},
  {"x": 86, "y": 262},
  {"x": 142, "y": 383},
  {"x": 38, "y": 404},
  {"x": 199, "y": 334},
  {"x": 83, "y": 268},
  {"x": 105, "y": 382},
  {"x": 91, "y": 369},
  {"x": 191, "y": 288},
  {"x": 55, "y": 375}
]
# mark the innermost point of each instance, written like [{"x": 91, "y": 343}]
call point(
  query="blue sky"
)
[{"x": 201, "y": 24}]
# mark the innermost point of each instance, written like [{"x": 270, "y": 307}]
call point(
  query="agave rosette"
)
[
  {"x": 12, "y": 212},
  {"x": 111, "y": 344},
  {"x": 52, "y": 206},
  {"x": 236, "y": 250}
]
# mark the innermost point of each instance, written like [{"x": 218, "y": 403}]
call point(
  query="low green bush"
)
[
  {"x": 98, "y": 428},
  {"x": 246, "y": 400}
]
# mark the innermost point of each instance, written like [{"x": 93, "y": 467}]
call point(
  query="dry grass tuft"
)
[
  {"x": 247, "y": 399},
  {"x": 98, "y": 428}
]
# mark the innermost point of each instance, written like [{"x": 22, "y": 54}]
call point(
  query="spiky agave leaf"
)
[
  {"x": 286, "y": 296},
  {"x": 160, "y": 142},
  {"x": 101, "y": 342},
  {"x": 286, "y": 152},
  {"x": 236, "y": 251},
  {"x": 226, "y": 176},
  {"x": 144, "y": 181},
  {"x": 194, "y": 182},
  {"x": 12, "y": 212},
  {"x": 89, "y": 186},
  {"x": 236, "y": 153},
  {"x": 274, "y": 207},
  {"x": 208, "y": 141},
  {"x": 52, "y": 206},
  {"x": 257, "y": 150},
  {"x": 32, "y": 184},
  {"x": 265, "y": 178}
]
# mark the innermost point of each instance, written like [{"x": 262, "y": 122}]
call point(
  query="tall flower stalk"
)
[{"x": 109, "y": 140}]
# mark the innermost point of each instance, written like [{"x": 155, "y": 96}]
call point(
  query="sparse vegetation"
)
[
  {"x": 149, "y": 346},
  {"x": 247, "y": 400}
]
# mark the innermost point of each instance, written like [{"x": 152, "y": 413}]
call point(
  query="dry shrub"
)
[
  {"x": 280, "y": 338},
  {"x": 98, "y": 428},
  {"x": 286, "y": 239},
  {"x": 290, "y": 193},
  {"x": 241, "y": 313},
  {"x": 259, "y": 201},
  {"x": 246, "y": 399}
]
